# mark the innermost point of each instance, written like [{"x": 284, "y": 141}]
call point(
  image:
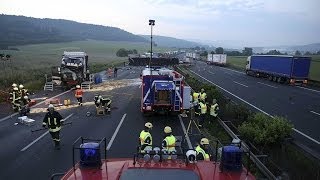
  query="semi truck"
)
[
  {"x": 163, "y": 91},
  {"x": 217, "y": 59},
  {"x": 279, "y": 68}
]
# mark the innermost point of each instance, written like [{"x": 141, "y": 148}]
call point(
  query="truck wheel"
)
[
  {"x": 274, "y": 79},
  {"x": 270, "y": 78},
  {"x": 279, "y": 80}
]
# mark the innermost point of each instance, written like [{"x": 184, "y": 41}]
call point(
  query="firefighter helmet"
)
[
  {"x": 14, "y": 85},
  {"x": 78, "y": 86},
  {"x": 167, "y": 129},
  {"x": 26, "y": 97},
  {"x": 148, "y": 125},
  {"x": 21, "y": 86},
  {"x": 15, "y": 89},
  {"x": 202, "y": 90},
  {"x": 50, "y": 106},
  {"x": 204, "y": 141}
]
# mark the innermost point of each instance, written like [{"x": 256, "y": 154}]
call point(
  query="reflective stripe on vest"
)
[
  {"x": 171, "y": 143},
  {"x": 195, "y": 97},
  {"x": 204, "y": 154},
  {"x": 213, "y": 110},
  {"x": 203, "y": 108},
  {"x": 203, "y": 96},
  {"x": 58, "y": 128},
  {"x": 143, "y": 136}
]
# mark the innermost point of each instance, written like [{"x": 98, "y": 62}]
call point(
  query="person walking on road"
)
[
  {"x": 145, "y": 138},
  {"x": 52, "y": 120},
  {"x": 203, "y": 150},
  {"x": 115, "y": 72},
  {"x": 78, "y": 94}
]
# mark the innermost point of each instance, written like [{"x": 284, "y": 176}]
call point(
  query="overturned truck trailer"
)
[{"x": 143, "y": 61}]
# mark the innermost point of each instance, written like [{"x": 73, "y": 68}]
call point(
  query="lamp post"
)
[{"x": 151, "y": 23}]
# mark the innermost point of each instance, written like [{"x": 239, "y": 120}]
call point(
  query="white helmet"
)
[
  {"x": 148, "y": 125},
  {"x": 14, "y": 85},
  {"x": 77, "y": 86},
  {"x": 26, "y": 97},
  {"x": 21, "y": 86},
  {"x": 50, "y": 106},
  {"x": 15, "y": 89}
]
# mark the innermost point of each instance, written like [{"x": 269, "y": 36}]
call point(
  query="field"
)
[
  {"x": 31, "y": 62},
  {"x": 239, "y": 62}
]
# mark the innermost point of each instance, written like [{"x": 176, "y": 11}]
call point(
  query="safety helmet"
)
[
  {"x": 148, "y": 125},
  {"x": 25, "y": 97},
  {"x": 167, "y": 129},
  {"x": 204, "y": 141},
  {"x": 21, "y": 86},
  {"x": 15, "y": 89},
  {"x": 14, "y": 85},
  {"x": 50, "y": 106},
  {"x": 77, "y": 86},
  {"x": 202, "y": 90}
]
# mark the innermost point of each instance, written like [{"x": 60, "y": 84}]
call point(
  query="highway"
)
[
  {"x": 26, "y": 155},
  {"x": 299, "y": 105}
]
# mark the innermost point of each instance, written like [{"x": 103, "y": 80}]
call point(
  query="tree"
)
[
  {"x": 122, "y": 53},
  {"x": 247, "y": 51},
  {"x": 274, "y": 52},
  {"x": 203, "y": 48},
  {"x": 212, "y": 52},
  {"x": 219, "y": 50},
  {"x": 318, "y": 53},
  {"x": 135, "y": 51},
  {"x": 197, "y": 48},
  {"x": 233, "y": 53},
  {"x": 297, "y": 53},
  {"x": 204, "y": 53},
  {"x": 307, "y": 53}
]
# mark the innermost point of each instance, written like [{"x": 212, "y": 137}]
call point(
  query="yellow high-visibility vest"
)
[
  {"x": 203, "y": 96},
  {"x": 171, "y": 143},
  {"x": 196, "y": 97},
  {"x": 213, "y": 110},
  {"x": 203, "y": 107},
  {"x": 199, "y": 150},
  {"x": 143, "y": 136}
]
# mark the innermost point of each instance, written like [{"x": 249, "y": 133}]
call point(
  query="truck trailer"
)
[
  {"x": 163, "y": 91},
  {"x": 217, "y": 59},
  {"x": 279, "y": 68}
]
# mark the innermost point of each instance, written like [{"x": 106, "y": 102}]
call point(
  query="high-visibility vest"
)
[
  {"x": 213, "y": 110},
  {"x": 79, "y": 93},
  {"x": 171, "y": 143},
  {"x": 203, "y": 107},
  {"x": 203, "y": 96},
  {"x": 53, "y": 125},
  {"x": 143, "y": 136},
  {"x": 195, "y": 97},
  {"x": 199, "y": 150}
]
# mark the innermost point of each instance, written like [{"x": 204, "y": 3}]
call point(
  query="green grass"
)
[
  {"x": 33, "y": 61},
  {"x": 239, "y": 62}
]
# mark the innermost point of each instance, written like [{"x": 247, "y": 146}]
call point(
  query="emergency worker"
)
[
  {"x": 203, "y": 112},
  {"x": 145, "y": 138},
  {"x": 169, "y": 141},
  {"x": 203, "y": 150},
  {"x": 203, "y": 95},
  {"x": 78, "y": 94},
  {"x": 214, "y": 109}
]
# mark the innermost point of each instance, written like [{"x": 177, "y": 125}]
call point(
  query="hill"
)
[
  {"x": 171, "y": 42},
  {"x": 20, "y": 30}
]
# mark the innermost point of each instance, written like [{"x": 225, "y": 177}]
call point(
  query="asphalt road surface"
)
[
  {"x": 26, "y": 155},
  {"x": 299, "y": 105}
]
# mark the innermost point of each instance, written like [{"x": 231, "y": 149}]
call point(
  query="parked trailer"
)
[
  {"x": 217, "y": 59},
  {"x": 162, "y": 91},
  {"x": 281, "y": 69}
]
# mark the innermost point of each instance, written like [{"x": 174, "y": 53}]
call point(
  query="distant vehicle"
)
[
  {"x": 163, "y": 91},
  {"x": 73, "y": 69},
  {"x": 193, "y": 56},
  {"x": 281, "y": 69},
  {"x": 217, "y": 59}
]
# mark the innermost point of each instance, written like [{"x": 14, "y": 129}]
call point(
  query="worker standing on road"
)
[
  {"x": 115, "y": 72},
  {"x": 202, "y": 150},
  {"x": 203, "y": 112},
  {"x": 203, "y": 95},
  {"x": 14, "y": 97},
  {"x": 109, "y": 72},
  {"x": 145, "y": 138},
  {"x": 196, "y": 97},
  {"x": 53, "y": 121},
  {"x": 169, "y": 141},
  {"x": 214, "y": 109},
  {"x": 78, "y": 94}
]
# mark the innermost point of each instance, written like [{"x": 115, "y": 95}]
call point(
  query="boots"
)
[{"x": 57, "y": 145}]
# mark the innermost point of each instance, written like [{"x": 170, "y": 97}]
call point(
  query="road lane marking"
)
[
  {"x": 140, "y": 85},
  {"x": 232, "y": 70},
  {"x": 116, "y": 132},
  {"x": 240, "y": 84},
  {"x": 308, "y": 89},
  {"x": 36, "y": 140},
  {"x": 185, "y": 132},
  {"x": 211, "y": 72},
  {"x": 228, "y": 73},
  {"x": 14, "y": 114},
  {"x": 310, "y": 138},
  {"x": 315, "y": 113},
  {"x": 267, "y": 85}
]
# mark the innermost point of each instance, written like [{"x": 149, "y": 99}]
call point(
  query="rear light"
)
[
  {"x": 143, "y": 84},
  {"x": 292, "y": 81},
  {"x": 305, "y": 81}
]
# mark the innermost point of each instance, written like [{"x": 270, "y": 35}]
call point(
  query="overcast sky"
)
[{"x": 250, "y": 22}]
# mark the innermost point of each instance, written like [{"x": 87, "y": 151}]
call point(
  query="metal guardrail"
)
[{"x": 252, "y": 156}]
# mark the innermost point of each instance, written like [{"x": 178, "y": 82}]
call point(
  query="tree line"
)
[{"x": 124, "y": 53}]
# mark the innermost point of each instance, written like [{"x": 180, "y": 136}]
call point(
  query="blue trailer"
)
[
  {"x": 162, "y": 91},
  {"x": 278, "y": 68}
]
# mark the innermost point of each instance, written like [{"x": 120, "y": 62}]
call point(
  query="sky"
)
[{"x": 235, "y": 22}]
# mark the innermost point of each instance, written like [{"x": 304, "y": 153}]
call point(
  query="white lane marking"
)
[
  {"x": 255, "y": 107},
  {"x": 296, "y": 130},
  {"x": 116, "y": 132},
  {"x": 267, "y": 85},
  {"x": 233, "y": 70},
  {"x": 315, "y": 113},
  {"x": 25, "y": 148},
  {"x": 240, "y": 84},
  {"x": 211, "y": 72},
  {"x": 308, "y": 89},
  {"x": 140, "y": 85},
  {"x": 185, "y": 132},
  {"x": 228, "y": 73},
  {"x": 14, "y": 114}
]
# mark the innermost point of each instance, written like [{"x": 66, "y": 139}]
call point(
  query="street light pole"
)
[{"x": 151, "y": 23}]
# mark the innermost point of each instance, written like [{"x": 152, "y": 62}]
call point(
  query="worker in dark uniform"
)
[
  {"x": 115, "y": 72},
  {"x": 203, "y": 112},
  {"x": 203, "y": 150},
  {"x": 145, "y": 138},
  {"x": 53, "y": 121}
]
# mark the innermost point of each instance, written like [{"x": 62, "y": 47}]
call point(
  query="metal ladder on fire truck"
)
[{"x": 177, "y": 96}]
